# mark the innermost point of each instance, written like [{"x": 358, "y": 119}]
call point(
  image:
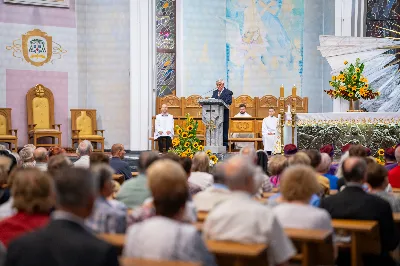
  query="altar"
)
[{"x": 372, "y": 130}]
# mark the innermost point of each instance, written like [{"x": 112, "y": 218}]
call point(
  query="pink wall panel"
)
[
  {"x": 38, "y": 15},
  {"x": 18, "y": 82}
]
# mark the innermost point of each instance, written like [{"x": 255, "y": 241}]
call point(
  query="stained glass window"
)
[
  {"x": 166, "y": 46},
  {"x": 383, "y": 20}
]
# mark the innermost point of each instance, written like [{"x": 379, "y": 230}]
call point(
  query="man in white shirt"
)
[
  {"x": 85, "y": 148},
  {"x": 242, "y": 113},
  {"x": 269, "y": 126},
  {"x": 240, "y": 218},
  {"x": 164, "y": 129}
]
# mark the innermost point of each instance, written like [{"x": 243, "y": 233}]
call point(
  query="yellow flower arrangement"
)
[
  {"x": 208, "y": 152},
  {"x": 381, "y": 152},
  {"x": 350, "y": 84},
  {"x": 187, "y": 144}
]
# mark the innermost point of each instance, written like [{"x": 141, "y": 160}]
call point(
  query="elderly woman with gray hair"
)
[{"x": 26, "y": 155}]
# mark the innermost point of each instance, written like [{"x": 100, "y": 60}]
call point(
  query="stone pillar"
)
[{"x": 142, "y": 80}]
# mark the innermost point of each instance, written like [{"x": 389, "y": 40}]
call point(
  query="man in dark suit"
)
[
  {"x": 354, "y": 203},
  {"x": 224, "y": 94},
  {"x": 119, "y": 166},
  {"x": 65, "y": 240}
]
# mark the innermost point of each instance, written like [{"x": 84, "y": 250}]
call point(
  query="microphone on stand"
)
[{"x": 208, "y": 92}]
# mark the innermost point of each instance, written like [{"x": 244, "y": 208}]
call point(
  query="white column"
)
[
  {"x": 179, "y": 49},
  {"x": 344, "y": 9},
  {"x": 142, "y": 55}
]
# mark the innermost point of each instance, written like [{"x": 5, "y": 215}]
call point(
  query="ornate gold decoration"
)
[
  {"x": 37, "y": 48},
  {"x": 247, "y": 100},
  {"x": 193, "y": 101},
  {"x": 30, "y": 51},
  {"x": 210, "y": 126},
  {"x": 39, "y": 90}
]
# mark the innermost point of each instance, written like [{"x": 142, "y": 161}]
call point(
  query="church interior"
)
[{"x": 199, "y": 132}]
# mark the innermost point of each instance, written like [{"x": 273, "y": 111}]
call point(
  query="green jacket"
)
[{"x": 134, "y": 191}]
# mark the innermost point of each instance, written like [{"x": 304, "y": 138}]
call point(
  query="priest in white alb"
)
[
  {"x": 164, "y": 129},
  {"x": 269, "y": 131},
  {"x": 242, "y": 113}
]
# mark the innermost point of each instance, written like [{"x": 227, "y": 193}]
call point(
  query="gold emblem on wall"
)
[{"x": 37, "y": 48}]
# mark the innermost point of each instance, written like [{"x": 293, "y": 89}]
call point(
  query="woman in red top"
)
[{"x": 33, "y": 196}]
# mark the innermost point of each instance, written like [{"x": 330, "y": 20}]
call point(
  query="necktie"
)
[{"x": 219, "y": 93}]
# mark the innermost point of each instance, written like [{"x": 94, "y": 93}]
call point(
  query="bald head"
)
[
  {"x": 239, "y": 172},
  {"x": 250, "y": 152},
  {"x": 118, "y": 150},
  {"x": 40, "y": 155},
  {"x": 354, "y": 169}
]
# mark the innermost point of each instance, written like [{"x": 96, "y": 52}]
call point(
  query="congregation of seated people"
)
[{"x": 52, "y": 211}]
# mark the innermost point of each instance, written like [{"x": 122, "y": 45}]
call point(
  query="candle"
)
[
  {"x": 288, "y": 108},
  {"x": 282, "y": 91},
  {"x": 294, "y": 91}
]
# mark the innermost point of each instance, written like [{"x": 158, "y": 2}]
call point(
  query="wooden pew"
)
[
  {"x": 364, "y": 237},
  {"x": 146, "y": 262},
  {"x": 135, "y": 174},
  {"x": 227, "y": 253},
  {"x": 315, "y": 246},
  {"x": 232, "y": 253}
]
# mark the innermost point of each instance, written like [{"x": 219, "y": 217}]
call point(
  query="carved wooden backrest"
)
[
  {"x": 84, "y": 120},
  {"x": 5, "y": 121},
  {"x": 191, "y": 106},
  {"x": 266, "y": 102},
  {"x": 40, "y": 107},
  {"x": 301, "y": 104},
  {"x": 174, "y": 105},
  {"x": 241, "y": 126},
  {"x": 247, "y": 100}
]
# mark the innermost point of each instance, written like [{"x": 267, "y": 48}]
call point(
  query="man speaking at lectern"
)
[{"x": 222, "y": 93}]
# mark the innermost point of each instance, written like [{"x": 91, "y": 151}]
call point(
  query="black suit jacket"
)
[
  {"x": 61, "y": 243},
  {"x": 226, "y": 96},
  {"x": 354, "y": 203},
  {"x": 121, "y": 167}
]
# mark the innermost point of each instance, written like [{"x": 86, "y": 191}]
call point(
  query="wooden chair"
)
[
  {"x": 84, "y": 127},
  {"x": 6, "y": 130},
  {"x": 266, "y": 102},
  {"x": 174, "y": 105},
  {"x": 191, "y": 106},
  {"x": 301, "y": 104},
  {"x": 243, "y": 99},
  {"x": 40, "y": 113}
]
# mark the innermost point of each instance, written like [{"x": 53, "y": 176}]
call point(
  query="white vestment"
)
[
  {"x": 239, "y": 145},
  {"x": 164, "y": 123},
  {"x": 269, "y": 132}
]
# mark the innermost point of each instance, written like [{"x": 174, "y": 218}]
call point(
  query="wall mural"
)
[
  {"x": 52, "y": 3},
  {"x": 36, "y": 48},
  {"x": 264, "y": 45}
]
